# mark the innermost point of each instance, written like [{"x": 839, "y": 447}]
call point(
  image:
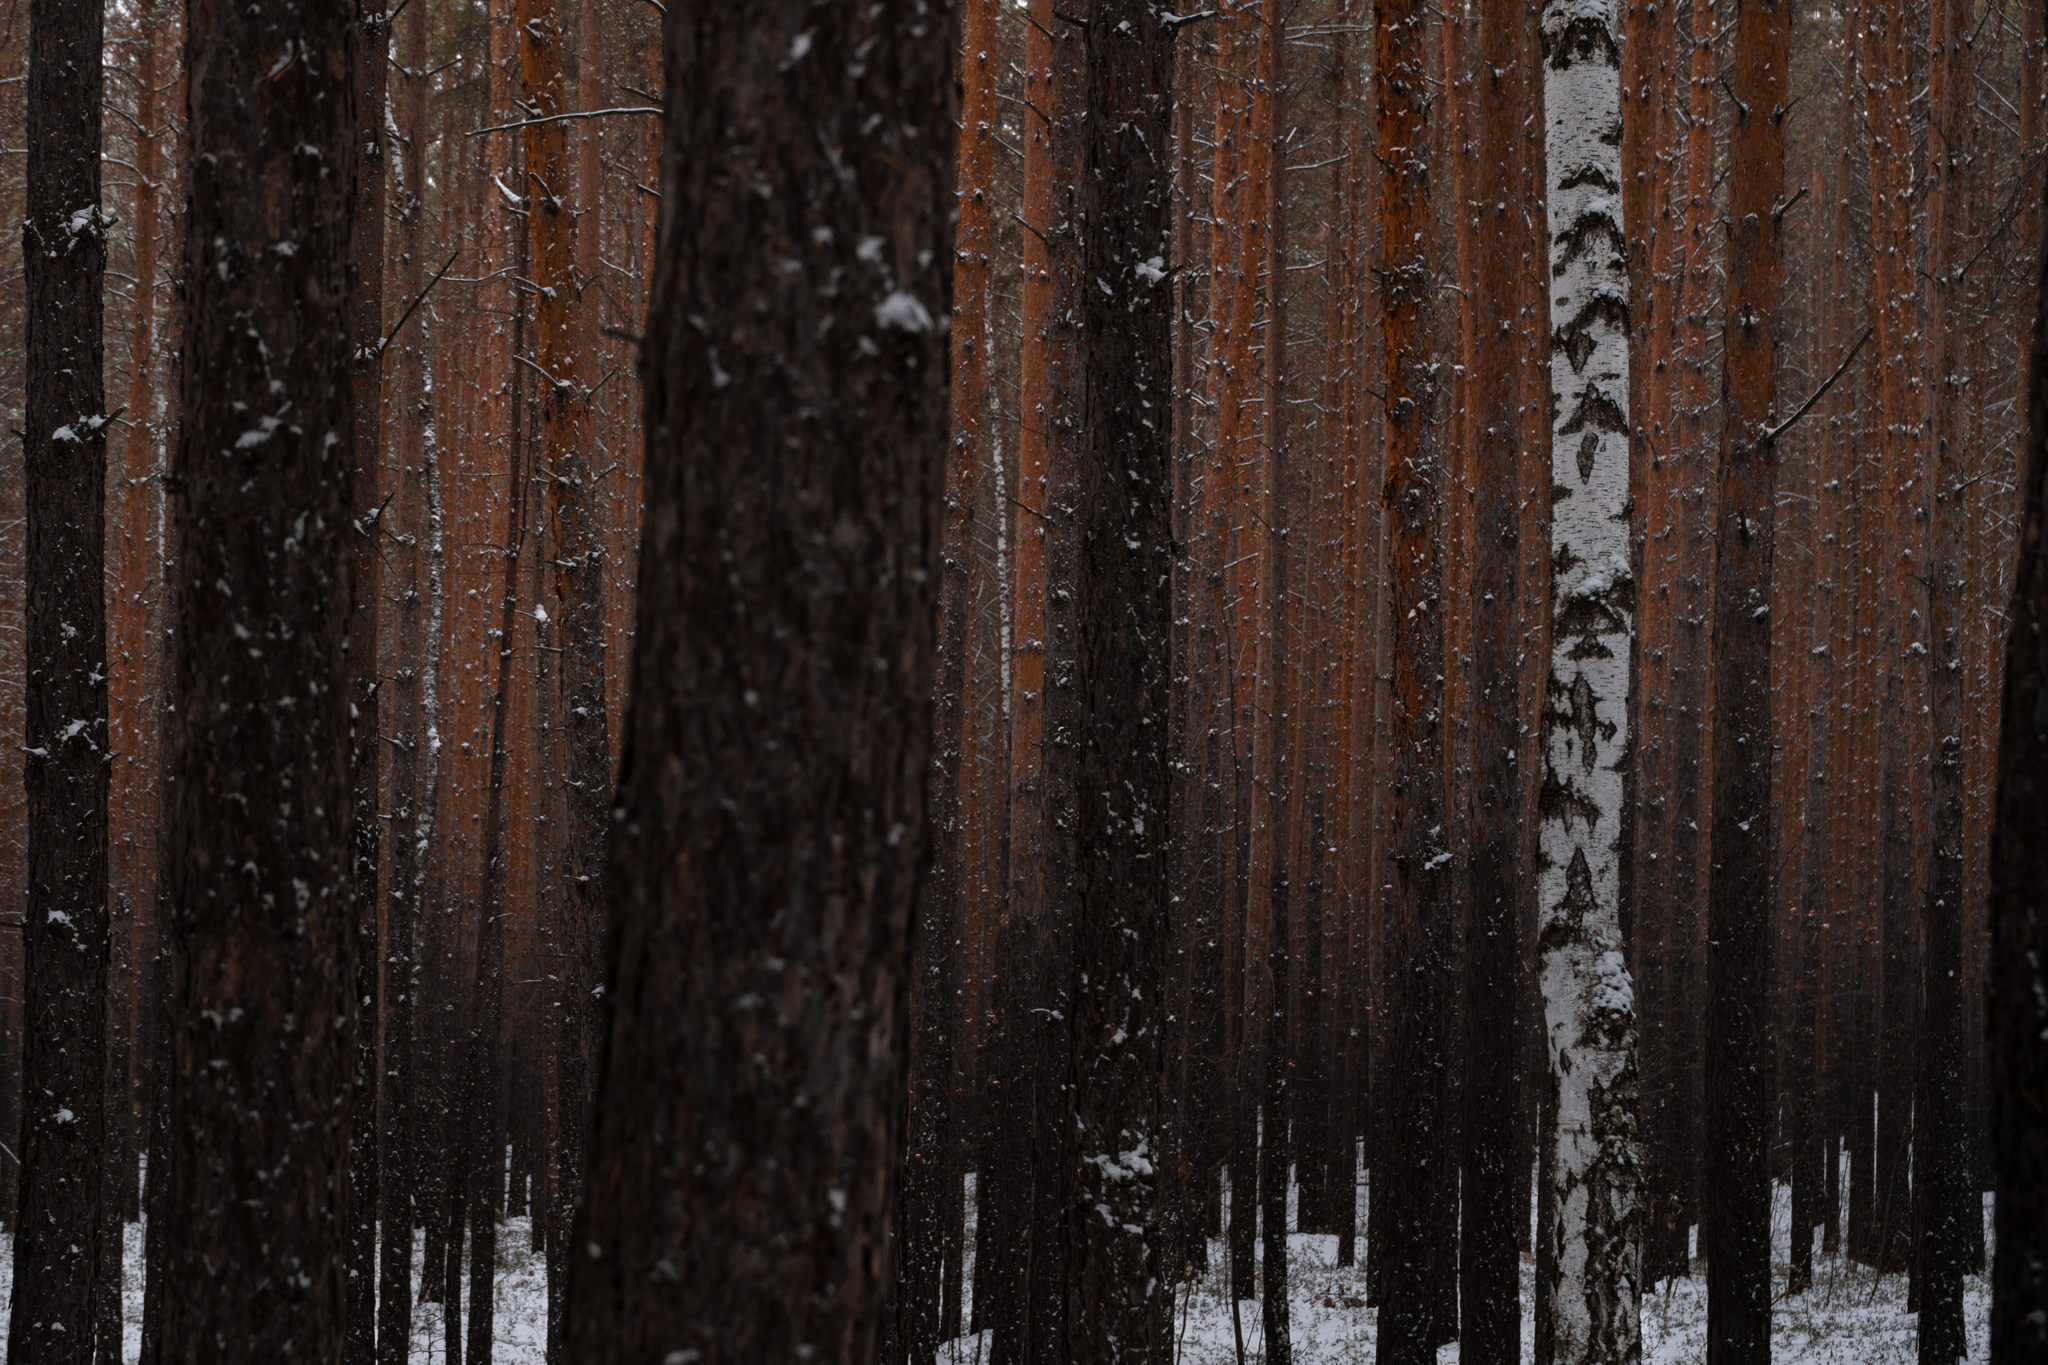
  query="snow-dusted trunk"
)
[{"x": 1588, "y": 998}]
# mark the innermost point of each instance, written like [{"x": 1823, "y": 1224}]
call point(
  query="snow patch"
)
[{"x": 903, "y": 311}]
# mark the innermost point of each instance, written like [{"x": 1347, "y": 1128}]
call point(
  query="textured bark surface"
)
[
  {"x": 1107, "y": 704},
  {"x": 559, "y": 340},
  {"x": 1413, "y": 1168},
  {"x": 2019, "y": 900},
  {"x": 771, "y": 827},
  {"x": 1945, "y": 1205},
  {"x": 256, "y": 842},
  {"x": 929, "y": 1172},
  {"x": 1028, "y": 1052},
  {"x": 1489, "y": 1265},
  {"x": 366, "y": 744},
  {"x": 1592, "y": 1260},
  {"x": 407, "y": 531},
  {"x": 1735, "y": 1235},
  {"x": 62, "y": 1284}
]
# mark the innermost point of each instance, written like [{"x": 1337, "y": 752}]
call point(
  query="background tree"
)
[
  {"x": 1110, "y": 636},
  {"x": 1588, "y": 1282},
  {"x": 1741, "y": 908}
]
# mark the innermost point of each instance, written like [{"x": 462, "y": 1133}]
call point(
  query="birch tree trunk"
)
[{"x": 1588, "y": 997}]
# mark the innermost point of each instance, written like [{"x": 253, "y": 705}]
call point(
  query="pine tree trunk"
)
[
  {"x": 748, "y": 1122},
  {"x": 1489, "y": 1265},
  {"x": 1593, "y": 1190},
  {"x": 1412, "y": 1171},
  {"x": 264, "y": 1009},
  {"x": 1944, "y": 1206},
  {"x": 559, "y": 342},
  {"x": 484, "y": 1064},
  {"x": 366, "y": 258},
  {"x": 62, "y": 1278},
  {"x": 927, "y": 1165},
  {"x": 1741, "y": 908},
  {"x": 407, "y": 537},
  {"x": 2019, "y": 890},
  {"x": 1108, "y": 762}
]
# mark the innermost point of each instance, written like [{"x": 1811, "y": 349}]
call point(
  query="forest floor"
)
[{"x": 1850, "y": 1316}]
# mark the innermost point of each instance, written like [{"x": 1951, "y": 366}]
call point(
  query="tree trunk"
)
[
  {"x": 1944, "y": 1203},
  {"x": 1588, "y": 998},
  {"x": 366, "y": 258},
  {"x": 484, "y": 1069},
  {"x": 62, "y": 1279},
  {"x": 577, "y": 545},
  {"x": 1741, "y": 908},
  {"x": 407, "y": 537},
  {"x": 928, "y": 1170},
  {"x": 1411, "y": 1174},
  {"x": 1489, "y": 1265},
  {"x": 257, "y": 831},
  {"x": 1108, "y": 764},
  {"x": 749, "y": 1115},
  {"x": 2019, "y": 890}
]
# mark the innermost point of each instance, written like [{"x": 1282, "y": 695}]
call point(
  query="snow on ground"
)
[{"x": 1849, "y": 1317}]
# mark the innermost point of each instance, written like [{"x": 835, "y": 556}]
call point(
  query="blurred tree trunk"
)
[
  {"x": 749, "y": 1120},
  {"x": 2019, "y": 890},
  {"x": 64, "y": 1282},
  {"x": 257, "y": 841}
]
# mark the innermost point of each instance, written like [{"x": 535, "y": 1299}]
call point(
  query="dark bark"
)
[
  {"x": 407, "y": 539},
  {"x": 1489, "y": 1265},
  {"x": 561, "y": 410},
  {"x": 366, "y": 258},
  {"x": 1107, "y": 700},
  {"x": 484, "y": 1068},
  {"x": 1414, "y": 1177},
  {"x": 64, "y": 1274},
  {"x": 766, "y": 855},
  {"x": 1276, "y": 1147},
  {"x": 1736, "y": 1234},
  {"x": 2019, "y": 911},
  {"x": 257, "y": 854},
  {"x": 1945, "y": 1202}
]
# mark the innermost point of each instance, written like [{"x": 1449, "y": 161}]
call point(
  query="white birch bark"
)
[{"x": 1588, "y": 997}]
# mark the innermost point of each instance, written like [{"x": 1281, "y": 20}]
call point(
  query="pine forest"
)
[{"x": 1023, "y": 682}]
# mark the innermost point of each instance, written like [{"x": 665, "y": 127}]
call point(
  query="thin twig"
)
[
  {"x": 414, "y": 305},
  {"x": 563, "y": 118},
  {"x": 1771, "y": 434}
]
